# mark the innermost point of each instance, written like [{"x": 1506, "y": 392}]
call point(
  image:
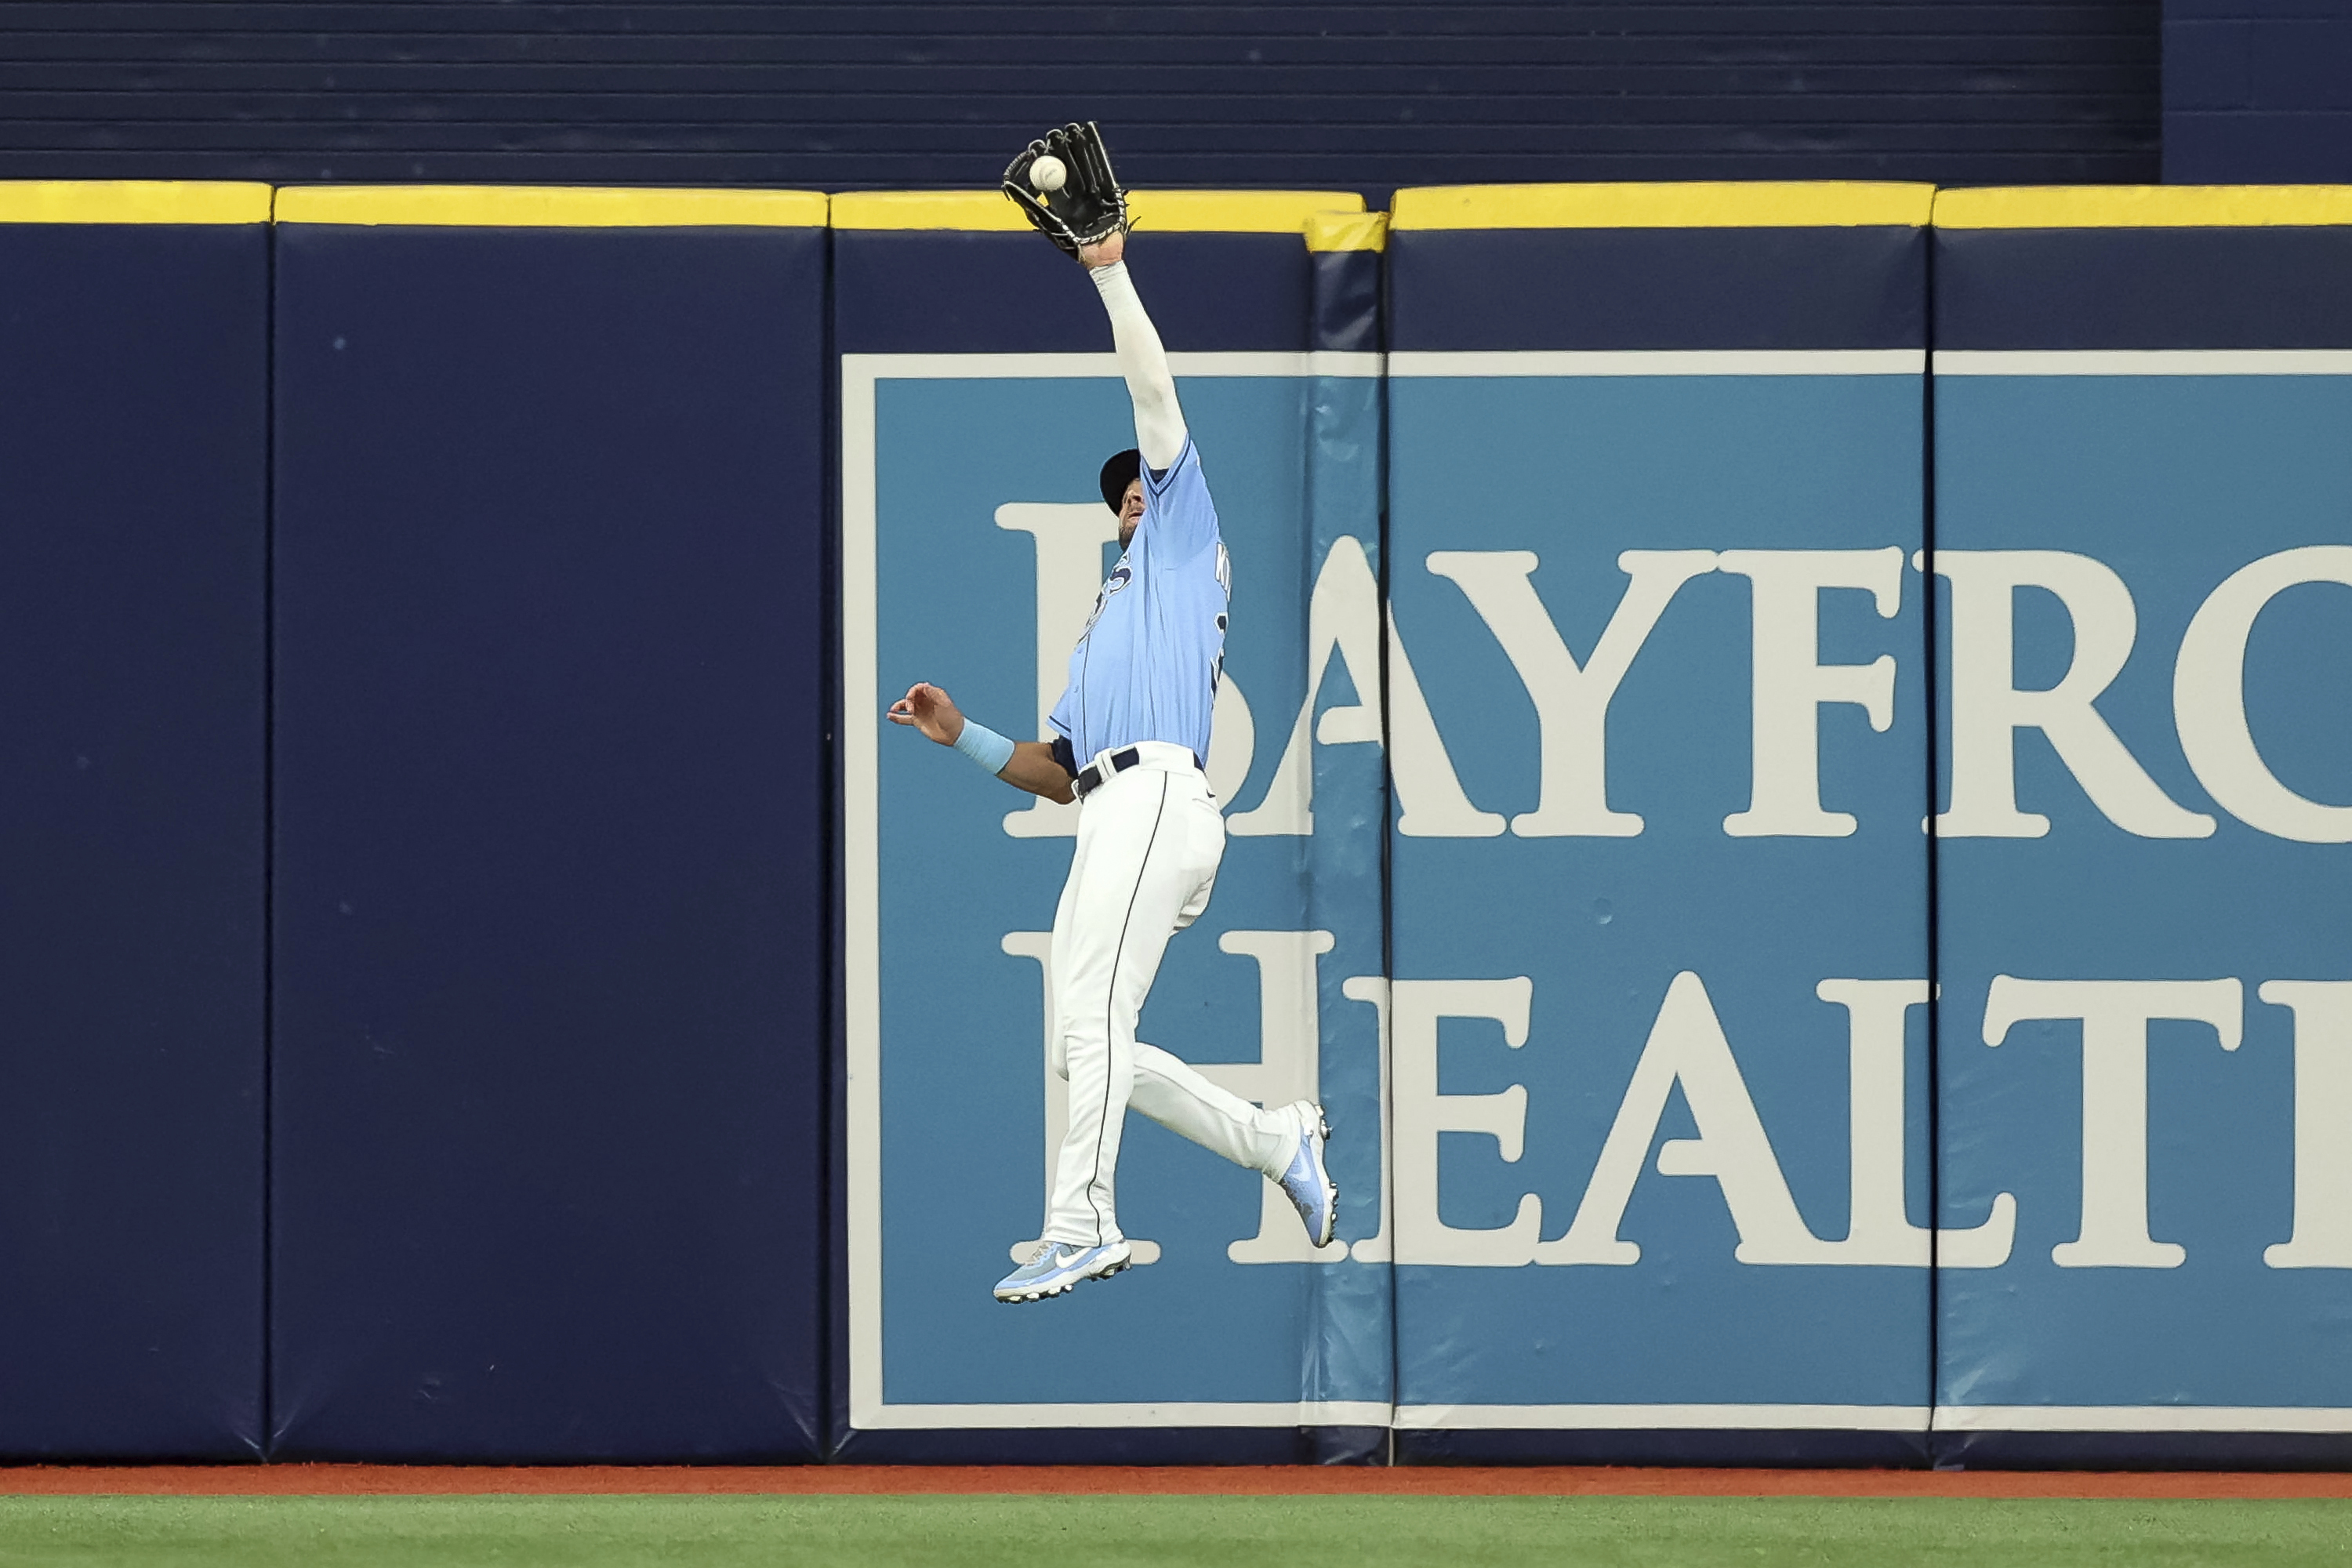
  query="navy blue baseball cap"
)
[{"x": 1123, "y": 469}]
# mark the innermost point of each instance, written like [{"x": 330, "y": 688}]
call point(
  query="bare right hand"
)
[{"x": 930, "y": 710}]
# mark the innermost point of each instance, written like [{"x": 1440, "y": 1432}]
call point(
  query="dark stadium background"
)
[{"x": 1362, "y": 95}]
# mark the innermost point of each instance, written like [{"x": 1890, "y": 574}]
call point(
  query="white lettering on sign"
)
[
  {"x": 1987, "y": 708},
  {"x": 2209, "y": 698},
  {"x": 1069, "y": 537},
  {"x": 1878, "y": 1231},
  {"x": 1415, "y": 1008},
  {"x": 2323, "y": 1122},
  {"x": 2114, "y": 1015},
  {"x": 1344, "y": 617},
  {"x": 1686, "y": 1049},
  {"x": 1791, "y": 684},
  {"x": 1571, "y": 700}
]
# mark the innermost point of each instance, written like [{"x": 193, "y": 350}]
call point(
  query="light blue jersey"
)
[{"x": 1147, "y": 667}]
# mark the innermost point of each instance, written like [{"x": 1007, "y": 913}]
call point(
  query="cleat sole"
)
[{"x": 1064, "y": 1289}]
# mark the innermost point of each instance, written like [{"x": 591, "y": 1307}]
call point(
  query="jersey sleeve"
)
[{"x": 1180, "y": 516}]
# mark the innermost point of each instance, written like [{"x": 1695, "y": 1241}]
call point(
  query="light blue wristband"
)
[{"x": 984, "y": 746}]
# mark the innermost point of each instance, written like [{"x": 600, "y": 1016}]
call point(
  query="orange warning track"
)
[{"x": 1239, "y": 1481}]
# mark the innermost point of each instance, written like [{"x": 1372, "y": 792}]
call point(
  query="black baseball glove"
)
[{"x": 1089, "y": 208}]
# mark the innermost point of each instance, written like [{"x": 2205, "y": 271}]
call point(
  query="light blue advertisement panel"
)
[
  {"x": 1658, "y": 1028},
  {"x": 2145, "y": 895},
  {"x": 973, "y": 546}
]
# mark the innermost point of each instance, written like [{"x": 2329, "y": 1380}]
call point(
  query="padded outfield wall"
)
[
  {"x": 978, "y": 398},
  {"x": 1814, "y": 893},
  {"x": 548, "y": 787},
  {"x": 2143, "y": 532},
  {"x": 134, "y": 378},
  {"x": 1659, "y": 900}
]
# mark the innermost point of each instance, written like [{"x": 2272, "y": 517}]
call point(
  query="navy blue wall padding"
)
[
  {"x": 2220, "y": 288},
  {"x": 1876, "y": 1450},
  {"x": 1346, "y": 291},
  {"x": 1117, "y": 1445},
  {"x": 549, "y": 919},
  {"x": 2143, "y": 1450},
  {"x": 1657, "y": 289},
  {"x": 899, "y": 291},
  {"x": 2199, "y": 1300},
  {"x": 1565, "y": 1291},
  {"x": 133, "y": 398}
]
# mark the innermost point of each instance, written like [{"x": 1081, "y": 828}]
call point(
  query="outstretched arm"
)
[
  {"x": 1158, "y": 422},
  {"x": 1030, "y": 766}
]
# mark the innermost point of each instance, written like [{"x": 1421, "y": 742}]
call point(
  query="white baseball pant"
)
[{"x": 1150, "y": 841}]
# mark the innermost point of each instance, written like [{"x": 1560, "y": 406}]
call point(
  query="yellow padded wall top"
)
[
  {"x": 1698, "y": 203},
  {"x": 1236, "y": 212},
  {"x": 2144, "y": 206},
  {"x": 550, "y": 206},
  {"x": 1348, "y": 231},
  {"x": 984, "y": 211},
  {"x": 133, "y": 201},
  {"x": 1194, "y": 212}
]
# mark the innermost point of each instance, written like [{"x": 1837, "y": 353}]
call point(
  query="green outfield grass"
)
[{"x": 1083, "y": 1532}]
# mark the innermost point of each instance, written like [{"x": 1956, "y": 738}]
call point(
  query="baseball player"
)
[{"x": 1129, "y": 737}]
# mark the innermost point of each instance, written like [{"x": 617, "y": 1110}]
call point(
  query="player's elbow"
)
[{"x": 1155, "y": 399}]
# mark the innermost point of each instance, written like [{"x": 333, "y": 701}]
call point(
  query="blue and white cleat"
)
[
  {"x": 1307, "y": 1184},
  {"x": 1056, "y": 1266}
]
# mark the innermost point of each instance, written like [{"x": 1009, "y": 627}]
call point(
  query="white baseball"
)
[{"x": 1047, "y": 173}]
